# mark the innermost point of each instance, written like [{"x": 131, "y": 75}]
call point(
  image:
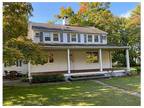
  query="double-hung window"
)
[
  {"x": 89, "y": 38},
  {"x": 47, "y": 36},
  {"x": 55, "y": 37},
  {"x": 73, "y": 37},
  {"x": 96, "y": 38},
  {"x": 37, "y": 34}
]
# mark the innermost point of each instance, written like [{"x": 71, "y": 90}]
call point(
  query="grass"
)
[
  {"x": 73, "y": 93},
  {"x": 129, "y": 83}
]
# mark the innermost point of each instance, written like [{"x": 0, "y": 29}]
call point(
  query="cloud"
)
[{"x": 126, "y": 15}]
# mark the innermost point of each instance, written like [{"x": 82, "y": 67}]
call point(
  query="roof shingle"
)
[{"x": 46, "y": 26}]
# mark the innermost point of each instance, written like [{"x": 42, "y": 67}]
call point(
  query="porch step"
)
[
  {"x": 94, "y": 75},
  {"x": 83, "y": 78},
  {"x": 102, "y": 75}
]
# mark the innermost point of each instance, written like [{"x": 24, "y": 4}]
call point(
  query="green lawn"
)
[
  {"x": 129, "y": 83},
  {"x": 73, "y": 93}
]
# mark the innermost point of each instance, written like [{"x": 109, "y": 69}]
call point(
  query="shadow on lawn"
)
[{"x": 76, "y": 93}]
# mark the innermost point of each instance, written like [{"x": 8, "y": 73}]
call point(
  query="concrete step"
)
[{"x": 73, "y": 78}]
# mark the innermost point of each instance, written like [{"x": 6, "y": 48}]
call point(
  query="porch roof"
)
[{"x": 81, "y": 46}]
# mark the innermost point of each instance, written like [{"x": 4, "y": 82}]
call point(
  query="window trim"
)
[
  {"x": 47, "y": 36},
  {"x": 95, "y": 35},
  {"x": 87, "y": 38},
  {"x": 71, "y": 38},
  {"x": 53, "y": 36},
  {"x": 37, "y": 32}
]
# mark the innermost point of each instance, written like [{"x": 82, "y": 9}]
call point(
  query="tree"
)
[
  {"x": 130, "y": 36},
  {"x": 121, "y": 31},
  {"x": 16, "y": 46}
]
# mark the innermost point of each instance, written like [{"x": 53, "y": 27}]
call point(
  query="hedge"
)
[{"x": 48, "y": 78}]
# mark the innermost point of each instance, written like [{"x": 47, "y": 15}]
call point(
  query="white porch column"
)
[
  {"x": 29, "y": 71},
  {"x": 68, "y": 60},
  {"x": 110, "y": 57},
  {"x": 127, "y": 60},
  {"x": 100, "y": 59}
]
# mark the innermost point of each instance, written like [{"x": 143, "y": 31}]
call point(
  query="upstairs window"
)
[
  {"x": 89, "y": 38},
  {"x": 47, "y": 36},
  {"x": 55, "y": 37},
  {"x": 37, "y": 34},
  {"x": 96, "y": 38},
  {"x": 73, "y": 37},
  {"x": 102, "y": 38}
]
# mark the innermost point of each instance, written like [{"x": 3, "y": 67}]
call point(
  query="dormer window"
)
[
  {"x": 37, "y": 34},
  {"x": 47, "y": 36},
  {"x": 89, "y": 38},
  {"x": 55, "y": 37},
  {"x": 73, "y": 37},
  {"x": 104, "y": 37},
  {"x": 96, "y": 38}
]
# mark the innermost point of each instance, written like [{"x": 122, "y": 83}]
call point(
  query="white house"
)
[{"x": 72, "y": 50}]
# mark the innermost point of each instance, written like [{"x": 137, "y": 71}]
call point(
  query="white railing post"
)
[
  {"x": 100, "y": 59},
  {"x": 127, "y": 60},
  {"x": 68, "y": 60}
]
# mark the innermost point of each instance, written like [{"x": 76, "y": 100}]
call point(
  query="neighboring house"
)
[{"x": 72, "y": 50}]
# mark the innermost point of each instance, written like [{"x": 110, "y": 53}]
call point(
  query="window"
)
[
  {"x": 92, "y": 57},
  {"x": 102, "y": 38},
  {"x": 55, "y": 37},
  {"x": 96, "y": 38},
  {"x": 18, "y": 63},
  {"x": 50, "y": 58},
  {"x": 47, "y": 36},
  {"x": 73, "y": 37},
  {"x": 47, "y": 39},
  {"x": 89, "y": 38},
  {"x": 37, "y": 34}
]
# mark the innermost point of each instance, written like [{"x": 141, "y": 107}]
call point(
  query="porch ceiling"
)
[{"x": 82, "y": 46}]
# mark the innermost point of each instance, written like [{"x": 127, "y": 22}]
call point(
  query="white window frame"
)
[
  {"x": 36, "y": 33},
  {"x": 97, "y": 37},
  {"x": 104, "y": 40},
  {"x": 87, "y": 38},
  {"x": 58, "y": 36},
  {"x": 44, "y": 35},
  {"x": 71, "y": 38}
]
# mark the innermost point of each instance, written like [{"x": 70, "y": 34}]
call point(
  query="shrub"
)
[
  {"x": 48, "y": 78},
  {"x": 24, "y": 78},
  {"x": 138, "y": 69},
  {"x": 135, "y": 71}
]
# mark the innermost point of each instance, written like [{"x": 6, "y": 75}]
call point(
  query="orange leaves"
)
[{"x": 83, "y": 8}]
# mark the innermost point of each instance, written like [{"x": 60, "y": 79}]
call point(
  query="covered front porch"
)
[{"x": 75, "y": 66}]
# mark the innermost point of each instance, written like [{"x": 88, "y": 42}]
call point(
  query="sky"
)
[{"x": 43, "y": 12}]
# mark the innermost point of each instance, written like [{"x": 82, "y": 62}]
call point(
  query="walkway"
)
[{"x": 117, "y": 88}]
